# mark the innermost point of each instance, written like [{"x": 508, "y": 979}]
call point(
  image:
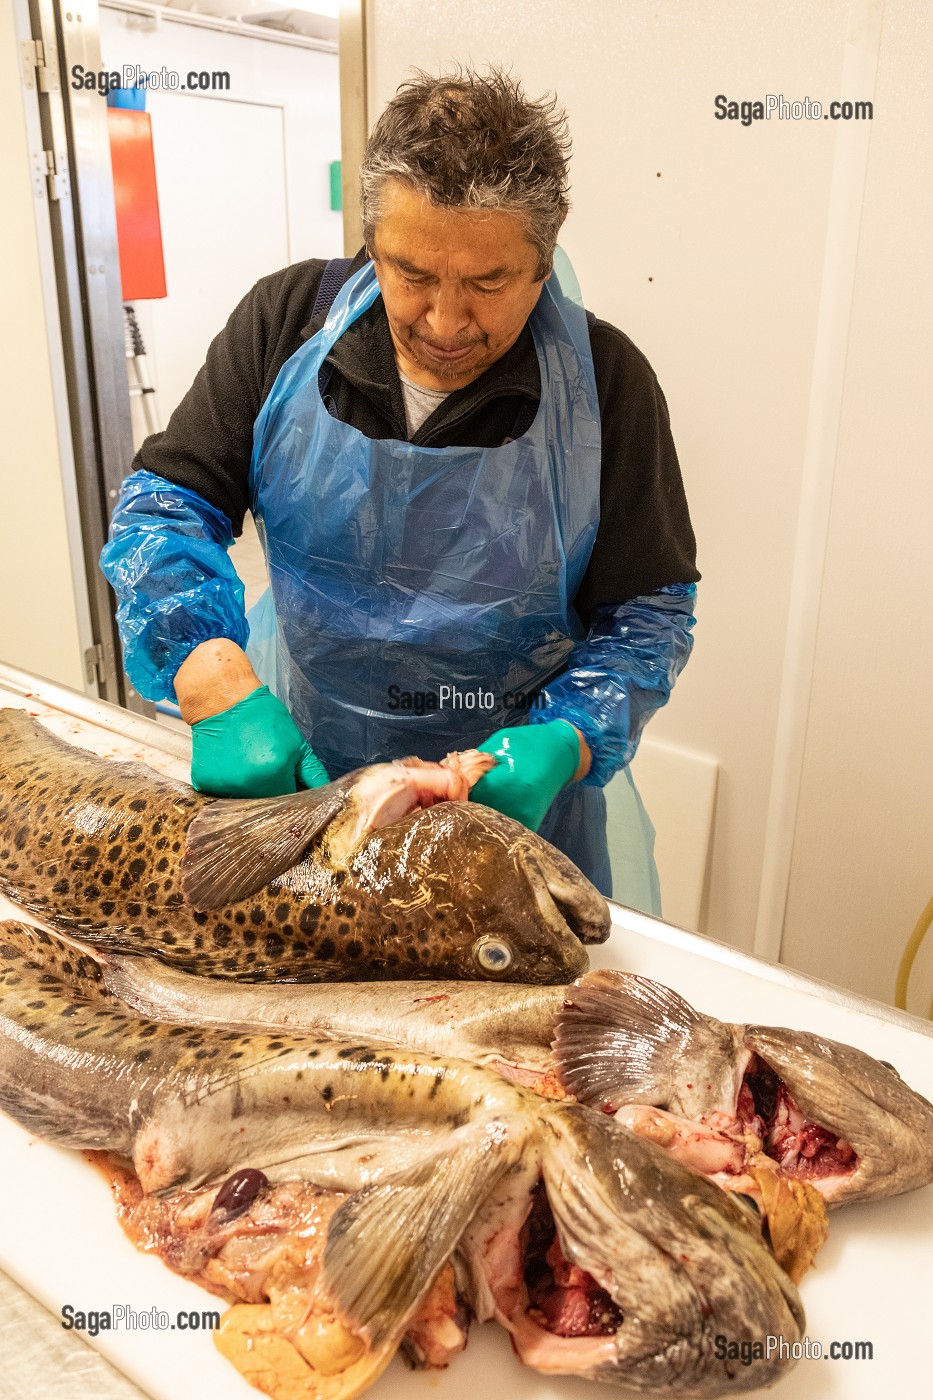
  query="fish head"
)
[
  {"x": 506, "y": 905},
  {"x": 548, "y": 910},
  {"x": 627, "y": 1268},
  {"x": 840, "y": 1118},
  {"x": 827, "y": 1113}
]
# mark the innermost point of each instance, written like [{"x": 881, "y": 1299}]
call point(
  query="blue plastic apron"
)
[{"x": 420, "y": 594}]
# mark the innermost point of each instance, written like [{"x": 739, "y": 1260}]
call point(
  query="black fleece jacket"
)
[{"x": 645, "y": 540}]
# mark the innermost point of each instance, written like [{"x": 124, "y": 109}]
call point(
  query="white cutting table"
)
[{"x": 60, "y": 1241}]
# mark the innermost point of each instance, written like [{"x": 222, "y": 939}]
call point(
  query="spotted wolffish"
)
[
  {"x": 415, "y": 1143},
  {"x": 722, "y": 1096},
  {"x": 378, "y": 875},
  {"x": 601, "y": 1256}
]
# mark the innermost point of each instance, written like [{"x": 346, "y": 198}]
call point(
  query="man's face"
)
[{"x": 458, "y": 285}]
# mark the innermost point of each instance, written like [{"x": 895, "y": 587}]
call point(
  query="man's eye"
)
[
  {"x": 414, "y": 281},
  {"x": 490, "y": 291}
]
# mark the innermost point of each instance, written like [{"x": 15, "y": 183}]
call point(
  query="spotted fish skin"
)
[
  {"x": 188, "y": 1104},
  {"x": 95, "y": 849},
  {"x": 74, "y": 1060},
  {"x": 508, "y": 1025},
  {"x": 438, "y": 1154}
]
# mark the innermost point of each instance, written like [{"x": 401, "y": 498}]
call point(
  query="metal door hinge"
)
[
  {"x": 94, "y": 663},
  {"x": 40, "y": 65},
  {"x": 56, "y": 174}
]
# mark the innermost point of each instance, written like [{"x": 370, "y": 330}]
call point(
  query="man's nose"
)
[{"x": 448, "y": 314}]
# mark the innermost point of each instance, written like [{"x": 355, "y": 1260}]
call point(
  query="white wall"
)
[
  {"x": 863, "y": 854},
  {"x": 705, "y": 241},
  {"x": 39, "y": 623},
  {"x": 243, "y": 178}
]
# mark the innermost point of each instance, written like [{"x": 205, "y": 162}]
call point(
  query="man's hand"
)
[
  {"x": 535, "y": 762},
  {"x": 244, "y": 741}
]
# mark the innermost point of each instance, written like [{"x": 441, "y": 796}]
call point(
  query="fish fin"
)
[
  {"x": 407, "y": 1227},
  {"x": 75, "y": 963},
  {"x": 620, "y": 1039},
  {"x": 236, "y": 846}
]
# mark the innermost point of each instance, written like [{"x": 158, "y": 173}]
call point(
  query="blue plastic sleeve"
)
[
  {"x": 166, "y": 560},
  {"x": 624, "y": 671}
]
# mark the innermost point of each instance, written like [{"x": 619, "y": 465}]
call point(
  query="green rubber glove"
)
[
  {"x": 535, "y": 762},
  {"x": 254, "y": 749}
]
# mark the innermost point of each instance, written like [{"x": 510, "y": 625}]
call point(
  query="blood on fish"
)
[
  {"x": 562, "y": 1298},
  {"x": 804, "y": 1149}
]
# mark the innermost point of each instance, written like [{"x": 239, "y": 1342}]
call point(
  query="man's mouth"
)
[{"x": 449, "y": 354}]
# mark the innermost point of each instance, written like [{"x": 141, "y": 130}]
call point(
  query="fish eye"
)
[
  {"x": 888, "y": 1065},
  {"x": 492, "y": 954}
]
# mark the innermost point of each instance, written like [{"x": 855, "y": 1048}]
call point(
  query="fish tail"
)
[
  {"x": 407, "y": 1226},
  {"x": 622, "y": 1039}
]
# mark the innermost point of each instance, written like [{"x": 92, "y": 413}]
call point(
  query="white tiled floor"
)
[{"x": 250, "y": 563}]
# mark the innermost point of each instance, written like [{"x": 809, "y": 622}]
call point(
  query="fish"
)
[
  {"x": 609, "y": 1033},
  {"x": 186, "y": 1103},
  {"x": 385, "y": 874},
  {"x": 395, "y": 1154},
  {"x": 506, "y": 1026},
  {"x": 620, "y": 1265},
  {"x": 509, "y": 1028},
  {"x": 725, "y": 1096},
  {"x": 231, "y": 1148}
]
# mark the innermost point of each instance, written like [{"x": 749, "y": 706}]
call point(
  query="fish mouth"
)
[
  {"x": 803, "y": 1148},
  {"x": 559, "y": 1300},
  {"x": 573, "y": 910},
  {"x": 837, "y": 1117},
  {"x": 559, "y": 1318}
]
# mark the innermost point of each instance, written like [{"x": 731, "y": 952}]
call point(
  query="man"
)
[{"x": 466, "y": 486}]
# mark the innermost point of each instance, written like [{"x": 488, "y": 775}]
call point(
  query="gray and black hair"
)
[{"x": 473, "y": 141}]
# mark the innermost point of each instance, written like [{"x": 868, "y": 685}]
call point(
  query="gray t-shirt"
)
[{"x": 419, "y": 403}]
